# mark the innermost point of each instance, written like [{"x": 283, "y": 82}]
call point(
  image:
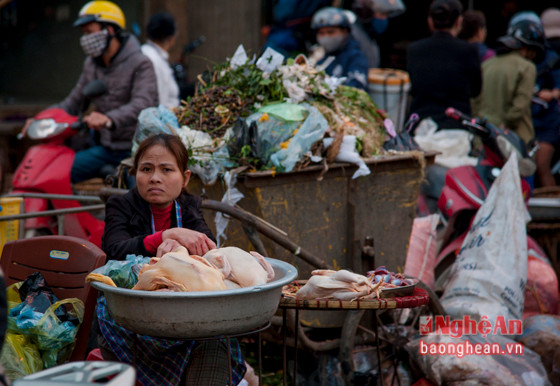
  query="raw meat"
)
[
  {"x": 341, "y": 285},
  {"x": 181, "y": 272},
  {"x": 238, "y": 266}
]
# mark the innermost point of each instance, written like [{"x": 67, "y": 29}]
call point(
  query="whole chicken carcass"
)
[
  {"x": 178, "y": 271},
  {"x": 341, "y": 285},
  {"x": 245, "y": 269}
]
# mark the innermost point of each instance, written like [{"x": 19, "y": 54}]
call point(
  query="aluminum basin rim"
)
[{"x": 289, "y": 271}]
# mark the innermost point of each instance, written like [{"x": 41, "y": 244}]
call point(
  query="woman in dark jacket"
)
[
  {"x": 145, "y": 220},
  {"x": 155, "y": 218}
]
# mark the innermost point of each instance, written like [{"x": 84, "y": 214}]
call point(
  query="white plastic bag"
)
[
  {"x": 489, "y": 276},
  {"x": 231, "y": 197},
  {"x": 348, "y": 153},
  {"x": 454, "y": 144}
]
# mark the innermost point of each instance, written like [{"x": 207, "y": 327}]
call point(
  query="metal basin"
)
[{"x": 196, "y": 315}]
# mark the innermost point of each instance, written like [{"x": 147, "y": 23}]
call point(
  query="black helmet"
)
[{"x": 529, "y": 33}]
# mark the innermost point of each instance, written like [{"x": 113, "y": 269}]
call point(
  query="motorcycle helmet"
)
[
  {"x": 525, "y": 32},
  {"x": 101, "y": 12},
  {"x": 525, "y": 15},
  {"x": 330, "y": 17}
]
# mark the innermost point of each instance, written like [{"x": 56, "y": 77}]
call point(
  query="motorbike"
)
[
  {"x": 466, "y": 187},
  {"x": 45, "y": 169}
]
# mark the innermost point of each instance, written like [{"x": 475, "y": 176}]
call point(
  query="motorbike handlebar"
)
[
  {"x": 470, "y": 122},
  {"x": 456, "y": 114}
]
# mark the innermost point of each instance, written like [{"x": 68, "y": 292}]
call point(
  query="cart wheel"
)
[{"x": 352, "y": 321}]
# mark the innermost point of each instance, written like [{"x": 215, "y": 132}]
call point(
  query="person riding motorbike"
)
[
  {"x": 332, "y": 27},
  {"x": 115, "y": 57}
]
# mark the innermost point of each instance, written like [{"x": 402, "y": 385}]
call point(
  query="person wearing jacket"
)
[
  {"x": 161, "y": 38},
  {"x": 114, "y": 57},
  {"x": 150, "y": 220},
  {"x": 509, "y": 79},
  {"x": 344, "y": 57},
  {"x": 444, "y": 70}
]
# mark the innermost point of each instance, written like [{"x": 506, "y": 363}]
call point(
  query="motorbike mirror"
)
[{"x": 94, "y": 88}]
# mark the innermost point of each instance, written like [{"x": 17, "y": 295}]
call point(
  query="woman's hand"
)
[
  {"x": 197, "y": 243},
  {"x": 166, "y": 246}
]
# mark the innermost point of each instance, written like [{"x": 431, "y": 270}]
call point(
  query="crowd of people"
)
[{"x": 514, "y": 84}]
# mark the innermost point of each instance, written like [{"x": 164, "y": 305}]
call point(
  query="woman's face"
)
[{"x": 159, "y": 178}]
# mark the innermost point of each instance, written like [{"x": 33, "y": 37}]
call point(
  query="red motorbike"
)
[
  {"x": 45, "y": 171},
  {"x": 466, "y": 187}
]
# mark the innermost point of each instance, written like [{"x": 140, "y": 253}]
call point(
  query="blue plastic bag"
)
[
  {"x": 311, "y": 130},
  {"x": 154, "y": 120}
]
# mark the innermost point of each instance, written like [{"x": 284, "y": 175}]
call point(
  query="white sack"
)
[{"x": 489, "y": 276}]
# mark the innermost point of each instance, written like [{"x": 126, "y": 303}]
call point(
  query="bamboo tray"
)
[{"x": 418, "y": 298}]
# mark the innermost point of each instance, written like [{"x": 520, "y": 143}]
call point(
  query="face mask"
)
[
  {"x": 331, "y": 43},
  {"x": 379, "y": 25},
  {"x": 94, "y": 44}
]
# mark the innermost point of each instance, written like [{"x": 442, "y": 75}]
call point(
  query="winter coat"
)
[
  {"x": 350, "y": 62},
  {"x": 505, "y": 100},
  {"x": 128, "y": 222},
  {"x": 444, "y": 72},
  {"x": 131, "y": 85}
]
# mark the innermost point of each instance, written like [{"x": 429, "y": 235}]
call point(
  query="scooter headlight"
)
[{"x": 45, "y": 128}]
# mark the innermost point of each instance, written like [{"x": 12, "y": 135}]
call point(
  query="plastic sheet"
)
[{"x": 311, "y": 131}]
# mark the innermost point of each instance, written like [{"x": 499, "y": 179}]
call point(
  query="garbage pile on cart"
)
[{"x": 271, "y": 114}]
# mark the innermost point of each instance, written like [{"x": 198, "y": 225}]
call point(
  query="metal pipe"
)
[
  {"x": 54, "y": 212},
  {"x": 47, "y": 196},
  {"x": 269, "y": 232}
]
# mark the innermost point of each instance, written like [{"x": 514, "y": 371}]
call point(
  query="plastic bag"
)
[
  {"x": 54, "y": 338},
  {"x": 454, "y": 144},
  {"x": 348, "y": 153},
  {"x": 312, "y": 130},
  {"x": 20, "y": 356},
  {"x": 541, "y": 333},
  {"x": 276, "y": 125},
  {"x": 153, "y": 120},
  {"x": 541, "y": 291},
  {"x": 124, "y": 272},
  {"x": 49, "y": 324},
  {"x": 231, "y": 197},
  {"x": 402, "y": 141},
  {"x": 507, "y": 370},
  {"x": 245, "y": 133},
  {"x": 421, "y": 257},
  {"x": 489, "y": 275}
]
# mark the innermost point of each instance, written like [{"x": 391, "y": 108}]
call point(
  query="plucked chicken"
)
[{"x": 239, "y": 267}]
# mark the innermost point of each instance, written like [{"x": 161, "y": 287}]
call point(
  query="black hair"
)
[
  {"x": 160, "y": 27},
  {"x": 473, "y": 21},
  {"x": 444, "y": 13}
]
